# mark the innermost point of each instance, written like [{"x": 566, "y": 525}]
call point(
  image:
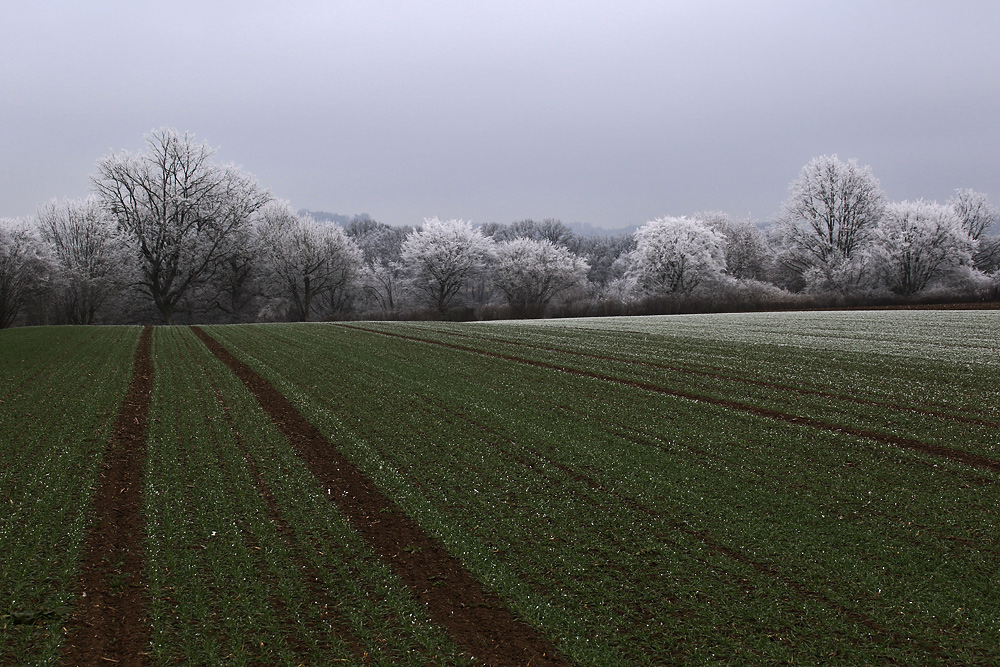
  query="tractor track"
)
[
  {"x": 110, "y": 624},
  {"x": 477, "y": 620}
]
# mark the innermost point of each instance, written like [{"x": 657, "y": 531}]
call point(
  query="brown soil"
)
[
  {"x": 950, "y": 453},
  {"x": 110, "y": 625},
  {"x": 476, "y": 619},
  {"x": 310, "y": 574}
]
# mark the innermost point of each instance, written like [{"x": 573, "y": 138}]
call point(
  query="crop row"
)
[
  {"x": 952, "y": 404},
  {"x": 641, "y": 490},
  {"x": 248, "y": 560},
  {"x": 62, "y": 390},
  {"x": 639, "y": 526}
]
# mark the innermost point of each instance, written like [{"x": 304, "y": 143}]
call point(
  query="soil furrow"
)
[
  {"x": 311, "y": 577},
  {"x": 476, "y": 619},
  {"x": 110, "y": 624},
  {"x": 957, "y": 455}
]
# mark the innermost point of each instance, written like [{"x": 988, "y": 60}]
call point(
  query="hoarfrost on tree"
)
[
  {"x": 90, "y": 257},
  {"x": 178, "y": 208},
  {"x": 979, "y": 218},
  {"x": 310, "y": 261},
  {"x": 442, "y": 259},
  {"x": 975, "y": 212},
  {"x": 530, "y": 273},
  {"x": 828, "y": 221},
  {"x": 25, "y": 267},
  {"x": 674, "y": 255},
  {"x": 919, "y": 242},
  {"x": 747, "y": 251}
]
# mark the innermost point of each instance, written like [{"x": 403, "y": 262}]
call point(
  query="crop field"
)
[{"x": 797, "y": 488}]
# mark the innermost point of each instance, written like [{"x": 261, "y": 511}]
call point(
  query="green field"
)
[{"x": 807, "y": 488}]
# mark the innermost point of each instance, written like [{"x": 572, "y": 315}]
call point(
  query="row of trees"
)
[{"x": 169, "y": 234}]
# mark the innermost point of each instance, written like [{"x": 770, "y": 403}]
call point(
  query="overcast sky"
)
[{"x": 609, "y": 113}]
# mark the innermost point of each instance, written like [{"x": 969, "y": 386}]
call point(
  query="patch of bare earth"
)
[
  {"x": 477, "y": 620},
  {"x": 110, "y": 625}
]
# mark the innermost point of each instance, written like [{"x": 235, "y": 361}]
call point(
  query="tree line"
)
[{"x": 170, "y": 235}]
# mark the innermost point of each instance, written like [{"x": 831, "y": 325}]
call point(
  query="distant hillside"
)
[
  {"x": 587, "y": 229},
  {"x": 334, "y": 217},
  {"x": 579, "y": 228}
]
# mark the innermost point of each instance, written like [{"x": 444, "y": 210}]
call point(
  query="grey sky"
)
[{"x": 607, "y": 113}]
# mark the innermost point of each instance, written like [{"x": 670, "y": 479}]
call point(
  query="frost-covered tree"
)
[
  {"x": 605, "y": 255},
  {"x": 309, "y": 261},
  {"x": 383, "y": 275},
  {"x": 549, "y": 229},
  {"x": 828, "y": 220},
  {"x": 530, "y": 273},
  {"x": 747, "y": 251},
  {"x": 920, "y": 242},
  {"x": 975, "y": 211},
  {"x": 442, "y": 259},
  {"x": 24, "y": 268},
  {"x": 380, "y": 243},
  {"x": 240, "y": 279},
  {"x": 384, "y": 286},
  {"x": 978, "y": 217},
  {"x": 674, "y": 255},
  {"x": 91, "y": 261},
  {"x": 986, "y": 257},
  {"x": 177, "y": 207}
]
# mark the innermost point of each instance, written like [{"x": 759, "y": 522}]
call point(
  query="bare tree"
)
[
  {"x": 89, "y": 254},
  {"x": 177, "y": 208}
]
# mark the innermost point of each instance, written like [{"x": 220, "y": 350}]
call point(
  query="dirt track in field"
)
[
  {"x": 110, "y": 625},
  {"x": 478, "y": 621},
  {"x": 311, "y": 576},
  {"x": 950, "y": 453}
]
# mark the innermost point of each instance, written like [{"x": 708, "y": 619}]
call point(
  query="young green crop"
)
[
  {"x": 60, "y": 391},
  {"x": 248, "y": 560},
  {"x": 636, "y": 526},
  {"x": 937, "y": 402},
  {"x": 617, "y": 481}
]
